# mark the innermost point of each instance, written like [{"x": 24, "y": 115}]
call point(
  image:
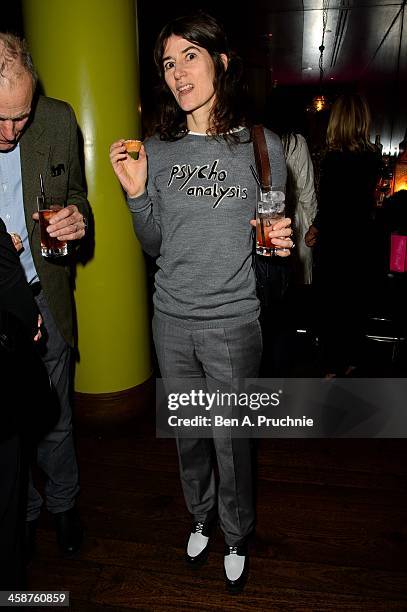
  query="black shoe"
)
[
  {"x": 69, "y": 531},
  {"x": 236, "y": 585},
  {"x": 204, "y": 528},
  {"x": 30, "y": 544}
]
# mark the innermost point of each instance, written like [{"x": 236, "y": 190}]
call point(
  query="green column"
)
[{"x": 86, "y": 53}]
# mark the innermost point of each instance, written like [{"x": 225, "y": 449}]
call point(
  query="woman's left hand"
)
[{"x": 280, "y": 235}]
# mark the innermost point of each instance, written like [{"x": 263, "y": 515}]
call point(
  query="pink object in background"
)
[{"x": 398, "y": 253}]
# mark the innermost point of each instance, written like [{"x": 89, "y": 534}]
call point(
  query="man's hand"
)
[
  {"x": 280, "y": 236},
  {"x": 67, "y": 224}
]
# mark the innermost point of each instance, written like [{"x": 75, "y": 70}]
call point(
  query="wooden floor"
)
[{"x": 331, "y": 529}]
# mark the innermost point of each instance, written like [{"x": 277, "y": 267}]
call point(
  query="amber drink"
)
[
  {"x": 47, "y": 208},
  {"x": 133, "y": 147}
]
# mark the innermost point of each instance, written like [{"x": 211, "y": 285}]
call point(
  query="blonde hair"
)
[{"x": 349, "y": 125}]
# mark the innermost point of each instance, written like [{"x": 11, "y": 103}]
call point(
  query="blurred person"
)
[
  {"x": 287, "y": 117},
  {"x": 18, "y": 390},
  {"x": 301, "y": 201},
  {"x": 349, "y": 172},
  {"x": 39, "y": 135},
  {"x": 290, "y": 278},
  {"x": 193, "y": 210}
]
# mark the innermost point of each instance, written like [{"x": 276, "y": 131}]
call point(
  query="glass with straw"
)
[
  {"x": 47, "y": 207},
  {"x": 270, "y": 208}
]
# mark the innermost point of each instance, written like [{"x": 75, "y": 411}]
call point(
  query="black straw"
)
[{"x": 255, "y": 175}]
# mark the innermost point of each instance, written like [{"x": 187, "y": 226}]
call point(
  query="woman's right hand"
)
[{"x": 132, "y": 173}]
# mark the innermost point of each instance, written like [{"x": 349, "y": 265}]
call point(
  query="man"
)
[{"x": 38, "y": 135}]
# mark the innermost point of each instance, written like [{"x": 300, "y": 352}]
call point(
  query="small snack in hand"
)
[{"x": 133, "y": 147}]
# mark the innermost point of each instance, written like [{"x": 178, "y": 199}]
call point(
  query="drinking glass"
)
[
  {"x": 270, "y": 208},
  {"x": 47, "y": 207}
]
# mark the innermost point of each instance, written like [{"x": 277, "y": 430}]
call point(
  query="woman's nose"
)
[{"x": 179, "y": 71}]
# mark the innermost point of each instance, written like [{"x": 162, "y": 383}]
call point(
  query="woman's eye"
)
[
  {"x": 168, "y": 66},
  {"x": 191, "y": 56}
]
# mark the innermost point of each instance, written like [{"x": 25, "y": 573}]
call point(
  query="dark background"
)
[{"x": 365, "y": 50}]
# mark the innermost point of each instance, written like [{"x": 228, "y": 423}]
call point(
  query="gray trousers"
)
[
  {"x": 222, "y": 354},
  {"x": 55, "y": 452}
]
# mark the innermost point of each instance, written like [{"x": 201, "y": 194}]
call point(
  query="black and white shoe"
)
[
  {"x": 197, "y": 547},
  {"x": 236, "y": 567}
]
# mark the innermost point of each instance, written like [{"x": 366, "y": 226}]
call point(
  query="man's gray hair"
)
[{"x": 14, "y": 55}]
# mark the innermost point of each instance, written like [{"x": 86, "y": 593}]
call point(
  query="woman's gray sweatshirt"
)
[{"x": 195, "y": 217}]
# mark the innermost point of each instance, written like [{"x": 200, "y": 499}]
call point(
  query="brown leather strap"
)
[{"x": 261, "y": 156}]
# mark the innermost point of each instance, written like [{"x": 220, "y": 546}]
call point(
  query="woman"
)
[
  {"x": 349, "y": 173},
  {"x": 195, "y": 216}
]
